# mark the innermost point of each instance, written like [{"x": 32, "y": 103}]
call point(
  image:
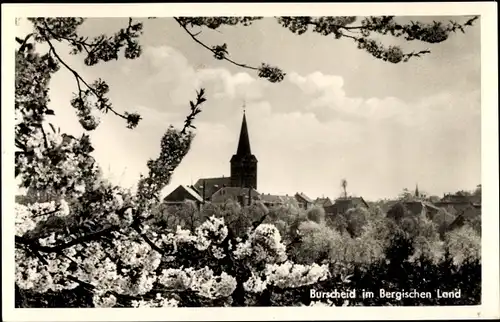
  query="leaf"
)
[
  {"x": 52, "y": 127},
  {"x": 50, "y": 112}
]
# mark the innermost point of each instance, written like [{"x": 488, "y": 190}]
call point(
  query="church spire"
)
[
  {"x": 244, "y": 163},
  {"x": 244, "y": 142},
  {"x": 417, "y": 194}
]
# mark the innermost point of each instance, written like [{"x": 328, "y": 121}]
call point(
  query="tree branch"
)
[
  {"x": 210, "y": 49},
  {"x": 78, "y": 78},
  {"x": 59, "y": 247}
]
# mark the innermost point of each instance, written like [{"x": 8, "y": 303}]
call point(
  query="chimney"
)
[{"x": 204, "y": 189}]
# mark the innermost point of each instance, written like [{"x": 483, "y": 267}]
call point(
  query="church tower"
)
[{"x": 244, "y": 163}]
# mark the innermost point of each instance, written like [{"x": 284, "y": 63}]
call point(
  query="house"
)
[
  {"x": 467, "y": 215},
  {"x": 181, "y": 194},
  {"x": 245, "y": 196},
  {"x": 412, "y": 208},
  {"x": 459, "y": 202},
  {"x": 341, "y": 205},
  {"x": 270, "y": 200},
  {"x": 304, "y": 202},
  {"x": 206, "y": 187},
  {"x": 323, "y": 202}
]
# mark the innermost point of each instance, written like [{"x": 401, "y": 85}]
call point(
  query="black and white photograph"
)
[{"x": 174, "y": 160}]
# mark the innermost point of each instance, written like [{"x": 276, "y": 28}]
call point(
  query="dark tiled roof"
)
[
  {"x": 430, "y": 206},
  {"x": 233, "y": 193},
  {"x": 268, "y": 198},
  {"x": 182, "y": 193},
  {"x": 466, "y": 215},
  {"x": 278, "y": 199},
  {"x": 211, "y": 184},
  {"x": 461, "y": 198},
  {"x": 193, "y": 193},
  {"x": 343, "y": 204},
  {"x": 351, "y": 201},
  {"x": 323, "y": 201},
  {"x": 304, "y": 197}
]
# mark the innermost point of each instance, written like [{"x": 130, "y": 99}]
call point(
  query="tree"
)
[
  {"x": 91, "y": 223},
  {"x": 406, "y": 195},
  {"x": 477, "y": 191},
  {"x": 316, "y": 214},
  {"x": 356, "y": 219}
]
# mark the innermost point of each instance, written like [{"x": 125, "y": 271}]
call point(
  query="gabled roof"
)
[
  {"x": 233, "y": 193},
  {"x": 322, "y": 201},
  {"x": 277, "y": 199},
  {"x": 211, "y": 185},
  {"x": 193, "y": 193},
  {"x": 430, "y": 206},
  {"x": 351, "y": 201},
  {"x": 182, "y": 193},
  {"x": 304, "y": 197},
  {"x": 460, "y": 197},
  {"x": 466, "y": 215},
  {"x": 272, "y": 198}
]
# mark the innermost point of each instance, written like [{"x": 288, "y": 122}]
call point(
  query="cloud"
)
[
  {"x": 328, "y": 100},
  {"x": 171, "y": 75}
]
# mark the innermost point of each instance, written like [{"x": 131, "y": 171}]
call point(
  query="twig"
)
[
  {"x": 147, "y": 240},
  {"x": 78, "y": 78},
  {"x": 85, "y": 284},
  {"x": 59, "y": 247},
  {"x": 210, "y": 49}
]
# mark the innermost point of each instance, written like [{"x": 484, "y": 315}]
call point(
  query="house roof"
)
[
  {"x": 304, "y": 197},
  {"x": 272, "y": 198},
  {"x": 211, "y": 185},
  {"x": 267, "y": 197},
  {"x": 430, "y": 205},
  {"x": 341, "y": 204},
  {"x": 322, "y": 201},
  {"x": 173, "y": 197},
  {"x": 460, "y": 197},
  {"x": 193, "y": 193},
  {"x": 235, "y": 192},
  {"x": 351, "y": 201},
  {"x": 466, "y": 215}
]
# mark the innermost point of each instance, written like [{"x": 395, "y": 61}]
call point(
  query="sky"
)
[{"x": 339, "y": 113}]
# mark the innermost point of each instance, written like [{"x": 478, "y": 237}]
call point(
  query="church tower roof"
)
[{"x": 244, "y": 142}]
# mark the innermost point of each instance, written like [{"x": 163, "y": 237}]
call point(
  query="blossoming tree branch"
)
[{"x": 110, "y": 241}]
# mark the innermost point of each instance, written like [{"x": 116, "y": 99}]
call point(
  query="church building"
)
[
  {"x": 240, "y": 186},
  {"x": 242, "y": 181}
]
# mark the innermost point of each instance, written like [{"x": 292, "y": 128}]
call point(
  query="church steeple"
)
[
  {"x": 244, "y": 142},
  {"x": 244, "y": 163}
]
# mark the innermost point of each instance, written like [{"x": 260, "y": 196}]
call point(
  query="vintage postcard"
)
[{"x": 249, "y": 161}]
